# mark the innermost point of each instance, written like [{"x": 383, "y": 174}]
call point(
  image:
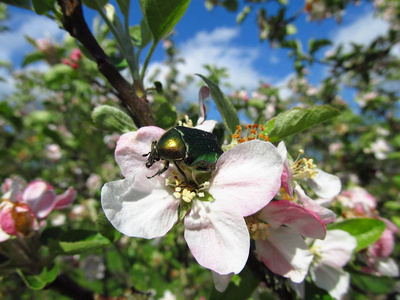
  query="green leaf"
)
[
  {"x": 366, "y": 230},
  {"x": 166, "y": 115},
  {"x": 314, "y": 45},
  {"x": 42, "y": 7},
  {"x": 91, "y": 3},
  {"x": 162, "y": 16},
  {"x": 141, "y": 35},
  {"x": 58, "y": 73},
  {"x": 224, "y": 105},
  {"x": 239, "y": 289},
  {"x": 371, "y": 283},
  {"x": 124, "y": 6},
  {"x": 110, "y": 118},
  {"x": 298, "y": 119},
  {"x": 106, "y": 229},
  {"x": 33, "y": 57},
  {"x": 230, "y": 5},
  {"x": 243, "y": 14},
  {"x": 38, "y": 282},
  {"x": 78, "y": 241}
]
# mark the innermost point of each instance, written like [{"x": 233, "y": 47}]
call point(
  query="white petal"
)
[
  {"x": 217, "y": 237},
  {"x": 387, "y": 267},
  {"x": 130, "y": 149},
  {"x": 140, "y": 207},
  {"x": 337, "y": 248},
  {"x": 221, "y": 282},
  {"x": 207, "y": 125},
  {"x": 248, "y": 176},
  {"x": 326, "y": 215},
  {"x": 325, "y": 185},
  {"x": 333, "y": 280},
  {"x": 285, "y": 253}
]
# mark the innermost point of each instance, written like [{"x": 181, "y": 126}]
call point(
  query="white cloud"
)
[
  {"x": 362, "y": 31},
  {"x": 217, "y": 48},
  {"x": 14, "y": 44}
]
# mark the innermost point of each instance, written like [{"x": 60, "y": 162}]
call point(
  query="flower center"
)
[
  {"x": 303, "y": 167},
  {"x": 186, "y": 191},
  {"x": 258, "y": 229},
  {"x": 317, "y": 252}
]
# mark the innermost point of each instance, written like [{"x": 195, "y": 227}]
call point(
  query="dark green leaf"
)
[
  {"x": 314, "y": 45},
  {"x": 19, "y": 3},
  {"x": 42, "y": 7},
  {"x": 106, "y": 229},
  {"x": 367, "y": 231},
  {"x": 298, "y": 119},
  {"x": 224, "y": 105},
  {"x": 230, "y": 5},
  {"x": 38, "y": 282},
  {"x": 91, "y": 3},
  {"x": 371, "y": 283},
  {"x": 110, "y": 118},
  {"x": 162, "y": 16},
  {"x": 238, "y": 289},
  {"x": 78, "y": 241}
]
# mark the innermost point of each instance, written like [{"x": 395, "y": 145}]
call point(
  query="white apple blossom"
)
[
  {"x": 214, "y": 208},
  {"x": 330, "y": 256}
]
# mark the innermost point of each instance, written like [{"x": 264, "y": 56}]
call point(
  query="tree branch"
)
[{"x": 75, "y": 24}]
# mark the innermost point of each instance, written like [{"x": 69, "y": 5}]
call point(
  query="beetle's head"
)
[{"x": 153, "y": 155}]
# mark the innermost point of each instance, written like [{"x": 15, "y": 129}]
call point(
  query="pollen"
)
[
  {"x": 251, "y": 132},
  {"x": 258, "y": 229},
  {"x": 185, "y": 191}
]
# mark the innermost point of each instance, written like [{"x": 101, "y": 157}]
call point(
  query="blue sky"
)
[{"x": 214, "y": 38}]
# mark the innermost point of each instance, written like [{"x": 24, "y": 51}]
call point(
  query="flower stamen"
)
[
  {"x": 303, "y": 167},
  {"x": 258, "y": 229},
  {"x": 252, "y": 132}
]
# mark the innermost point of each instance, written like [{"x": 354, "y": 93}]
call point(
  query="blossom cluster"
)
[
  {"x": 254, "y": 194},
  {"x": 23, "y": 208}
]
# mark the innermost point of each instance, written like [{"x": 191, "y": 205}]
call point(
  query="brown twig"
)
[{"x": 75, "y": 24}]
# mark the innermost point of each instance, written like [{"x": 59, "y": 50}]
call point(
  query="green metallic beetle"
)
[{"x": 194, "y": 147}]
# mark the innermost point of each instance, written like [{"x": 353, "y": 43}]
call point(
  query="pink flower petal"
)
[
  {"x": 326, "y": 215},
  {"x": 287, "y": 173},
  {"x": 140, "y": 207},
  {"x": 285, "y": 253},
  {"x": 130, "y": 149},
  {"x": 247, "y": 176},
  {"x": 204, "y": 93},
  {"x": 65, "y": 199},
  {"x": 284, "y": 212},
  {"x": 7, "y": 222},
  {"x": 40, "y": 196},
  {"x": 217, "y": 236}
]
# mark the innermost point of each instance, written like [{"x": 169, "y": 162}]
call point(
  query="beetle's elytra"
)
[{"x": 194, "y": 147}]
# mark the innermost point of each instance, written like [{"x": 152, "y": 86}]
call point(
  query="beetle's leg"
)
[
  {"x": 180, "y": 171},
  {"x": 159, "y": 172}
]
